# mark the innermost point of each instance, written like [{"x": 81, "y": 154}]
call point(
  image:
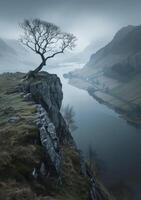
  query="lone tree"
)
[{"x": 45, "y": 39}]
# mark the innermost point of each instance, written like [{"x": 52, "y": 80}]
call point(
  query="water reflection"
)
[{"x": 117, "y": 143}]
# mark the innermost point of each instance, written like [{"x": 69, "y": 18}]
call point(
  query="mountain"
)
[
  {"x": 120, "y": 59},
  {"x": 84, "y": 55},
  {"x": 15, "y": 57},
  {"x": 122, "y": 54},
  {"x": 93, "y": 47},
  {"x": 5, "y": 48},
  {"x": 113, "y": 74}
]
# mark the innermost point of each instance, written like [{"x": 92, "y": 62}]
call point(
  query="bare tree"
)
[
  {"x": 45, "y": 39},
  {"x": 69, "y": 114}
]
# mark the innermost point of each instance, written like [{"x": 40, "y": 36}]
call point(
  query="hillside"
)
[
  {"x": 14, "y": 57},
  {"x": 5, "y": 48},
  {"x": 38, "y": 157},
  {"x": 113, "y": 74}
]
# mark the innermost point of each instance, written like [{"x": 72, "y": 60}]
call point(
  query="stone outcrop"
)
[
  {"x": 38, "y": 157},
  {"x": 46, "y": 91},
  {"x": 49, "y": 141}
]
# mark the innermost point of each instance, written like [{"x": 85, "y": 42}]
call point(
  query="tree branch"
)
[{"x": 46, "y": 39}]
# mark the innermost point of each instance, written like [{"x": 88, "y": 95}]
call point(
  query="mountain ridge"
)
[
  {"x": 126, "y": 43},
  {"x": 113, "y": 74},
  {"x": 14, "y": 56}
]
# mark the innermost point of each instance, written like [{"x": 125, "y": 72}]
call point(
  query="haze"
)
[{"x": 89, "y": 20}]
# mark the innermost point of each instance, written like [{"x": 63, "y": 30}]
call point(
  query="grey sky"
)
[{"x": 89, "y": 20}]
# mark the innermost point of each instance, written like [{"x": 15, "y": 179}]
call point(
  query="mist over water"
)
[{"x": 116, "y": 143}]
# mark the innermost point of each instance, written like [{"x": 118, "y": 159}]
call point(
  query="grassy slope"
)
[{"x": 19, "y": 154}]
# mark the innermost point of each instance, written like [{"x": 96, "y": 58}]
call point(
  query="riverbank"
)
[
  {"x": 105, "y": 131},
  {"x": 126, "y": 109}
]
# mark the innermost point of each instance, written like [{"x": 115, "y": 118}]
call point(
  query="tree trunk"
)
[
  {"x": 39, "y": 68},
  {"x": 32, "y": 74}
]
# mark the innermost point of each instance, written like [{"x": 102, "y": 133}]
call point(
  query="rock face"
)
[
  {"x": 54, "y": 135},
  {"x": 49, "y": 141},
  {"x": 46, "y": 90},
  {"x": 37, "y": 162}
]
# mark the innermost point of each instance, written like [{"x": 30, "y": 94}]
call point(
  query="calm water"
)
[{"x": 116, "y": 143}]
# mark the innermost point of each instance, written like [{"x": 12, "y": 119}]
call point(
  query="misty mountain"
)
[
  {"x": 92, "y": 48},
  {"x": 14, "y": 56},
  {"x": 113, "y": 74},
  {"x": 4, "y": 48},
  {"x": 122, "y": 56},
  {"x": 84, "y": 55}
]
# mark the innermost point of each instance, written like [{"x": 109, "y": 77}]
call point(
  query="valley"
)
[{"x": 104, "y": 79}]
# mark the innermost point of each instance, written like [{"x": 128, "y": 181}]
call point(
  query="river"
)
[{"x": 116, "y": 143}]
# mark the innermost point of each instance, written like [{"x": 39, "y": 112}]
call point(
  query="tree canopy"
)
[{"x": 45, "y": 39}]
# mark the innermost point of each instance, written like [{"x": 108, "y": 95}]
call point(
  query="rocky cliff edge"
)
[{"x": 38, "y": 156}]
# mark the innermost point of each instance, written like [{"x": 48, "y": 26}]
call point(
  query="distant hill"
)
[
  {"x": 4, "y": 48},
  {"x": 84, "y": 55},
  {"x": 121, "y": 56},
  {"x": 15, "y": 57},
  {"x": 113, "y": 74}
]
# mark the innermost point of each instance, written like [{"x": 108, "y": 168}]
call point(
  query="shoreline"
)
[{"x": 125, "y": 114}]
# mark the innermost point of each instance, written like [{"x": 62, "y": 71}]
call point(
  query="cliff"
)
[{"x": 38, "y": 156}]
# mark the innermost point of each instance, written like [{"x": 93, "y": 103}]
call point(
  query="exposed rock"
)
[
  {"x": 46, "y": 89},
  {"x": 14, "y": 119},
  {"x": 93, "y": 190},
  {"x": 36, "y": 161},
  {"x": 49, "y": 141},
  {"x": 54, "y": 134}
]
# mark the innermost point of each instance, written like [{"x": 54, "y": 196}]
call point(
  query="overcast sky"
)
[{"x": 89, "y": 20}]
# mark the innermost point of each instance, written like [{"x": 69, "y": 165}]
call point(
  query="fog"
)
[{"x": 89, "y": 20}]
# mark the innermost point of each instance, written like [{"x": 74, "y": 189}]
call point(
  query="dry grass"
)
[
  {"x": 19, "y": 153},
  {"x": 75, "y": 186}
]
